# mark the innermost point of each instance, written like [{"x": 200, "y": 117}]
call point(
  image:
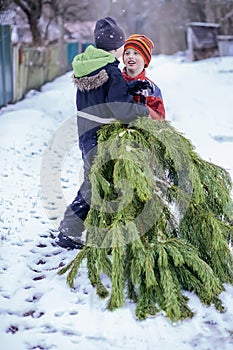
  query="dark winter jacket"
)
[
  {"x": 102, "y": 91},
  {"x": 154, "y": 99},
  {"x": 102, "y": 96}
]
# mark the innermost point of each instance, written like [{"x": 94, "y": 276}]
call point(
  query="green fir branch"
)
[{"x": 160, "y": 221}]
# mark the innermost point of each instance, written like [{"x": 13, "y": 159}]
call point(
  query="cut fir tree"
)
[{"x": 160, "y": 221}]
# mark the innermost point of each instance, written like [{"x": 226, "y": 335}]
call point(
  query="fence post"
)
[
  {"x": 2, "y": 63},
  {"x": 72, "y": 50},
  {"x": 6, "y": 85}
]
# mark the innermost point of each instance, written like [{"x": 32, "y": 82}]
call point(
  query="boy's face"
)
[{"x": 133, "y": 60}]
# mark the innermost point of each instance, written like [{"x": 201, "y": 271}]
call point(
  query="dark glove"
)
[
  {"x": 143, "y": 99},
  {"x": 136, "y": 86}
]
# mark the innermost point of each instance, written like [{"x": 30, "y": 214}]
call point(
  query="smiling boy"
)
[{"x": 136, "y": 57}]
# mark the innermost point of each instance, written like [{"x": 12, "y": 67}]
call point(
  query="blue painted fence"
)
[
  {"x": 6, "y": 83},
  {"x": 73, "y": 49}
]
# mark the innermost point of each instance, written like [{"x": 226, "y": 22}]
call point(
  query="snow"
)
[{"x": 37, "y": 308}]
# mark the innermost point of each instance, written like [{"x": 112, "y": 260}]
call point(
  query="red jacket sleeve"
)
[{"x": 155, "y": 104}]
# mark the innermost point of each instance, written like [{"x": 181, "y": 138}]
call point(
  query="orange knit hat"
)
[{"x": 142, "y": 44}]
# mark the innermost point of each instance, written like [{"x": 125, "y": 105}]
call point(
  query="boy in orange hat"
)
[{"x": 136, "y": 57}]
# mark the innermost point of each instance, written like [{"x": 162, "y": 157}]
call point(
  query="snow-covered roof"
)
[{"x": 203, "y": 24}]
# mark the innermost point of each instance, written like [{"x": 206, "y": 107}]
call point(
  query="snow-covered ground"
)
[{"x": 37, "y": 309}]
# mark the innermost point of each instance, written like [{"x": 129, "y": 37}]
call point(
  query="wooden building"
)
[{"x": 202, "y": 40}]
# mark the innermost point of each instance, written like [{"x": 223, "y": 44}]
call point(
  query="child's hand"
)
[{"x": 137, "y": 86}]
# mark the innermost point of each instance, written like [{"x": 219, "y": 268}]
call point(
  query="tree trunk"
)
[
  {"x": 62, "y": 54},
  {"x": 36, "y": 35},
  {"x": 210, "y": 17}
]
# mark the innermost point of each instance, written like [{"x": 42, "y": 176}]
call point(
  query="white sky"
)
[{"x": 37, "y": 308}]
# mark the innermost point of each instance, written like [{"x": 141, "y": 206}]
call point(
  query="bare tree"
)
[
  {"x": 209, "y": 11},
  {"x": 4, "y": 4},
  {"x": 33, "y": 11},
  {"x": 61, "y": 11},
  {"x": 224, "y": 14},
  {"x": 165, "y": 21}
]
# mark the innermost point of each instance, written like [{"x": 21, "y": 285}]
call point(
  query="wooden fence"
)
[
  {"x": 23, "y": 68},
  {"x": 33, "y": 67}
]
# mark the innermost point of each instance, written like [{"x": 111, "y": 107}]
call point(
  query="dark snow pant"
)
[{"x": 72, "y": 224}]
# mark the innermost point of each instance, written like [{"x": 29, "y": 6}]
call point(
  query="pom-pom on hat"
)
[
  {"x": 142, "y": 44},
  {"x": 108, "y": 34}
]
